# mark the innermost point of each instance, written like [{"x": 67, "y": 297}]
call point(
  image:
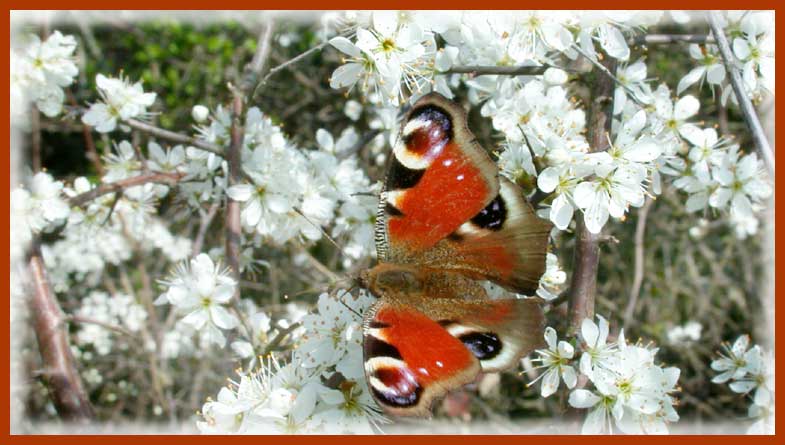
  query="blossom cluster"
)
[
  {"x": 749, "y": 370},
  {"x": 115, "y": 310},
  {"x": 289, "y": 193},
  {"x": 40, "y": 70},
  {"x": 630, "y": 390},
  {"x": 751, "y": 35},
  {"x": 543, "y": 127},
  {"x": 321, "y": 389}
]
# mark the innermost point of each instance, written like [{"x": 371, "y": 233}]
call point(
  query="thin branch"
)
[
  {"x": 586, "y": 257},
  {"x": 232, "y": 225},
  {"x": 637, "y": 280},
  {"x": 654, "y": 39},
  {"x": 318, "y": 265},
  {"x": 119, "y": 186},
  {"x": 291, "y": 62},
  {"x": 174, "y": 137},
  {"x": 254, "y": 69},
  {"x": 92, "y": 153},
  {"x": 112, "y": 327},
  {"x": 478, "y": 70},
  {"x": 62, "y": 378},
  {"x": 282, "y": 333},
  {"x": 609, "y": 72},
  {"x": 232, "y": 220},
  {"x": 745, "y": 104},
  {"x": 204, "y": 224}
]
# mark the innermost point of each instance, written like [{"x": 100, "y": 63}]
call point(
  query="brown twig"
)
[
  {"x": 119, "y": 186},
  {"x": 637, "y": 280},
  {"x": 174, "y": 137},
  {"x": 282, "y": 333},
  {"x": 112, "y": 327},
  {"x": 254, "y": 69},
  {"x": 233, "y": 229},
  {"x": 745, "y": 104},
  {"x": 477, "y": 70},
  {"x": 204, "y": 224},
  {"x": 92, "y": 152},
  {"x": 583, "y": 287},
  {"x": 62, "y": 378}
]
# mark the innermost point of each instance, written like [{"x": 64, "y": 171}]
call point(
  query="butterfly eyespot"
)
[
  {"x": 484, "y": 345},
  {"x": 492, "y": 216}
]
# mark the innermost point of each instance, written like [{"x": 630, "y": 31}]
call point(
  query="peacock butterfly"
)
[{"x": 446, "y": 220}]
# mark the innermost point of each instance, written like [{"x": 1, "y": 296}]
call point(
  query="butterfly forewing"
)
[{"x": 438, "y": 178}]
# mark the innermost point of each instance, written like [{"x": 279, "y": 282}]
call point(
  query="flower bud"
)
[{"x": 200, "y": 113}]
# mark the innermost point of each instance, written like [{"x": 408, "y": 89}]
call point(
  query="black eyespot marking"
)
[
  {"x": 445, "y": 323},
  {"x": 397, "y": 399},
  {"x": 400, "y": 177},
  {"x": 436, "y": 132},
  {"x": 374, "y": 347},
  {"x": 391, "y": 210},
  {"x": 492, "y": 217},
  {"x": 436, "y": 115},
  {"x": 484, "y": 345},
  {"x": 455, "y": 237},
  {"x": 377, "y": 324}
]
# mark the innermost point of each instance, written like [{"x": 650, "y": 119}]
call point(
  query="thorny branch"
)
[
  {"x": 745, "y": 104},
  {"x": 60, "y": 373},
  {"x": 583, "y": 287}
]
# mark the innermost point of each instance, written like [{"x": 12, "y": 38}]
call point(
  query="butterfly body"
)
[{"x": 446, "y": 222}]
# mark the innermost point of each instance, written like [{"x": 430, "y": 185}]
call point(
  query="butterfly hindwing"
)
[
  {"x": 497, "y": 332},
  {"x": 410, "y": 359},
  {"x": 416, "y": 350},
  {"x": 505, "y": 243},
  {"x": 438, "y": 178}
]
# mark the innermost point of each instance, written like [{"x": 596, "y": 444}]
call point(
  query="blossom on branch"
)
[{"x": 120, "y": 100}]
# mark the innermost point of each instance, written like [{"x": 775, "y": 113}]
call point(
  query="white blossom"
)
[
  {"x": 120, "y": 100},
  {"x": 200, "y": 291},
  {"x": 40, "y": 70},
  {"x": 556, "y": 360},
  {"x": 41, "y": 208}
]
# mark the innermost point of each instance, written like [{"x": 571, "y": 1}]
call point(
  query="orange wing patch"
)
[
  {"x": 411, "y": 360},
  {"x": 450, "y": 191}
]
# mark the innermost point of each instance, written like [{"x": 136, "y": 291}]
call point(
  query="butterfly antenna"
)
[
  {"x": 329, "y": 238},
  {"x": 375, "y": 195},
  {"x": 340, "y": 299}
]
